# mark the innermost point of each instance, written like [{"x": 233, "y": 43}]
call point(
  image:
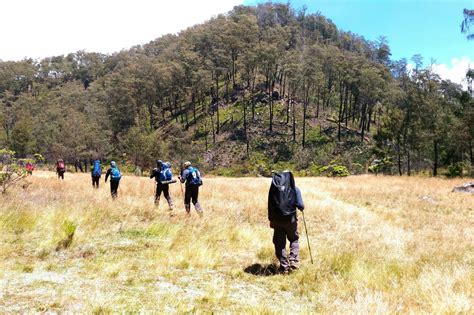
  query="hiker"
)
[
  {"x": 283, "y": 199},
  {"x": 60, "y": 168},
  {"x": 115, "y": 177},
  {"x": 163, "y": 177},
  {"x": 96, "y": 173},
  {"x": 29, "y": 168},
  {"x": 192, "y": 177}
]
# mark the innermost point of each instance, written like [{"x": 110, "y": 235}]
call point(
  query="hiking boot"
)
[
  {"x": 283, "y": 271},
  {"x": 294, "y": 265}
]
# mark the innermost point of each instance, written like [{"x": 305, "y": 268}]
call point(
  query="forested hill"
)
[{"x": 256, "y": 89}]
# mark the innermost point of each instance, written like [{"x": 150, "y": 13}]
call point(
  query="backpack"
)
[
  {"x": 194, "y": 177},
  {"x": 60, "y": 165},
  {"x": 282, "y": 197},
  {"x": 96, "y": 171},
  {"x": 166, "y": 174},
  {"x": 115, "y": 174}
]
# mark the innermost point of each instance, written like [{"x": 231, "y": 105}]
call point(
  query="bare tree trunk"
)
[
  {"x": 217, "y": 103},
  {"x": 294, "y": 121},
  {"x": 288, "y": 109},
  {"x": 435, "y": 164}
]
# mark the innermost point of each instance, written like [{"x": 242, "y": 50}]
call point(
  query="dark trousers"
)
[
  {"x": 191, "y": 194},
  {"x": 114, "y": 184},
  {"x": 281, "y": 232},
  {"x": 165, "y": 188},
  {"x": 61, "y": 174},
  {"x": 95, "y": 181}
]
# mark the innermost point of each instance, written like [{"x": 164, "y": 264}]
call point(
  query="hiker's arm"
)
[
  {"x": 183, "y": 176},
  {"x": 107, "y": 174},
  {"x": 153, "y": 173},
  {"x": 299, "y": 199}
]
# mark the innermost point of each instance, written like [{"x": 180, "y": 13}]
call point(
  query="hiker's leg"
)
[
  {"x": 113, "y": 188},
  {"x": 166, "y": 193},
  {"x": 187, "y": 199},
  {"x": 279, "y": 240},
  {"x": 159, "y": 188},
  {"x": 293, "y": 237},
  {"x": 194, "y": 198}
]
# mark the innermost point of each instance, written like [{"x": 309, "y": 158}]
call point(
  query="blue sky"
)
[
  {"x": 427, "y": 27},
  {"x": 430, "y": 28}
]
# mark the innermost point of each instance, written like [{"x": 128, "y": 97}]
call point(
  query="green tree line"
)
[{"x": 256, "y": 88}]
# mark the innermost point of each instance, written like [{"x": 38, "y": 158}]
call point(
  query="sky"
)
[
  {"x": 42, "y": 28},
  {"x": 427, "y": 27}
]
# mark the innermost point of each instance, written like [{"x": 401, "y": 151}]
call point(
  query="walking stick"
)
[{"x": 307, "y": 239}]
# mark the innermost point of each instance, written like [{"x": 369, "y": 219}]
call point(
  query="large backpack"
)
[
  {"x": 166, "y": 174},
  {"x": 194, "y": 177},
  {"x": 97, "y": 170},
  {"x": 115, "y": 174},
  {"x": 282, "y": 197},
  {"x": 61, "y": 165}
]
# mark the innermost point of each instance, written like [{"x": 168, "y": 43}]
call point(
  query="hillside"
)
[
  {"x": 380, "y": 245},
  {"x": 255, "y": 89}
]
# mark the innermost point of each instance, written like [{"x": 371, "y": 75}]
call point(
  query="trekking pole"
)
[
  {"x": 307, "y": 239},
  {"x": 181, "y": 185}
]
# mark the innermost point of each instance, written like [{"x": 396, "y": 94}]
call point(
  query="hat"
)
[{"x": 186, "y": 164}]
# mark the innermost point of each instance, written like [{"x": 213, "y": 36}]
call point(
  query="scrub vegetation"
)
[{"x": 381, "y": 245}]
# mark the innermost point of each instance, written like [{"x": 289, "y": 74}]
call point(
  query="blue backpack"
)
[
  {"x": 115, "y": 174},
  {"x": 166, "y": 174},
  {"x": 97, "y": 170},
  {"x": 194, "y": 177}
]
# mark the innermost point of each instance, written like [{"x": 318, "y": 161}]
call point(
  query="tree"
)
[{"x": 467, "y": 23}]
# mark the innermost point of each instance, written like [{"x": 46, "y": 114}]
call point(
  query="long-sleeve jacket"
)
[{"x": 299, "y": 199}]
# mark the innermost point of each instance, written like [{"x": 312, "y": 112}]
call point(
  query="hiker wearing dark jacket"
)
[
  {"x": 283, "y": 199},
  {"x": 161, "y": 187},
  {"x": 192, "y": 178},
  {"x": 115, "y": 177}
]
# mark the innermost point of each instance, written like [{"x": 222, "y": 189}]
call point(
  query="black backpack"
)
[{"x": 282, "y": 197}]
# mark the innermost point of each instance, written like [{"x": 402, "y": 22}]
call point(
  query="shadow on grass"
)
[{"x": 262, "y": 270}]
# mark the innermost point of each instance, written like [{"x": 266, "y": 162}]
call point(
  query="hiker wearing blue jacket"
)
[
  {"x": 115, "y": 177},
  {"x": 191, "y": 176},
  {"x": 96, "y": 173},
  {"x": 163, "y": 176}
]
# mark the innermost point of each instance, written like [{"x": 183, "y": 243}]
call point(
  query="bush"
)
[
  {"x": 338, "y": 171},
  {"x": 454, "y": 170},
  {"x": 381, "y": 166}
]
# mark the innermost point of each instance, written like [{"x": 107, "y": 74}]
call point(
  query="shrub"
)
[
  {"x": 69, "y": 229},
  {"x": 338, "y": 171},
  {"x": 454, "y": 170}
]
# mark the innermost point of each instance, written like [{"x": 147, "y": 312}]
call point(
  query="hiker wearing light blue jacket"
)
[{"x": 115, "y": 177}]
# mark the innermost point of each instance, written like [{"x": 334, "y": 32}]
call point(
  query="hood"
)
[{"x": 283, "y": 179}]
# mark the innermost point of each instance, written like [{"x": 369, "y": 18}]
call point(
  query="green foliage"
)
[
  {"x": 68, "y": 229},
  {"x": 454, "y": 170},
  {"x": 381, "y": 166},
  {"x": 10, "y": 171},
  {"x": 335, "y": 170}
]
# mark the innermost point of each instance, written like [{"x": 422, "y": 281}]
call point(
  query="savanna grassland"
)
[{"x": 380, "y": 245}]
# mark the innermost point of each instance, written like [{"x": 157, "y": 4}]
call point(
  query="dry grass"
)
[{"x": 381, "y": 245}]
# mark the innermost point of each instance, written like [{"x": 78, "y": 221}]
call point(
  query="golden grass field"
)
[{"x": 380, "y": 245}]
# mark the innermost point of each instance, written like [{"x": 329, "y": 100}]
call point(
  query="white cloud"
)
[
  {"x": 456, "y": 71},
  {"x": 40, "y": 28}
]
